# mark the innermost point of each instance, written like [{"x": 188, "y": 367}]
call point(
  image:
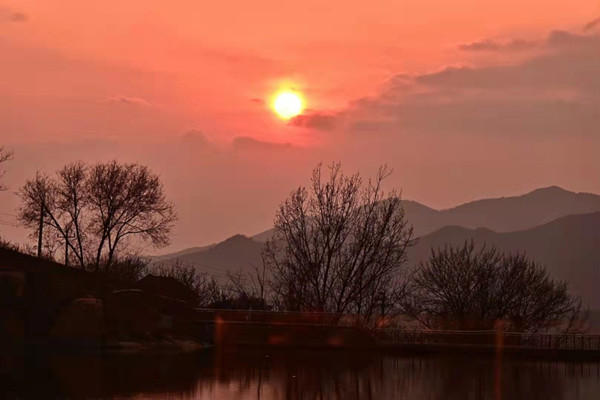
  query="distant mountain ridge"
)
[
  {"x": 569, "y": 247},
  {"x": 504, "y": 214},
  {"x": 515, "y": 213},
  {"x": 555, "y": 227},
  {"x": 235, "y": 253}
]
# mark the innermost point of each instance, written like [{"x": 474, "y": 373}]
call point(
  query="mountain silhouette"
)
[
  {"x": 234, "y": 254},
  {"x": 504, "y": 214},
  {"x": 569, "y": 247},
  {"x": 555, "y": 227},
  {"x": 509, "y": 214}
]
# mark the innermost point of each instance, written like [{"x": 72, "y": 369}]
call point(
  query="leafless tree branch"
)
[
  {"x": 340, "y": 245},
  {"x": 469, "y": 288},
  {"x": 94, "y": 210}
]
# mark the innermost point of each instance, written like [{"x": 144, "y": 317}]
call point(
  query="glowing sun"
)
[{"x": 287, "y": 104}]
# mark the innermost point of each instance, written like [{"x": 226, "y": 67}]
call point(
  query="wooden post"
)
[{"x": 499, "y": 325}]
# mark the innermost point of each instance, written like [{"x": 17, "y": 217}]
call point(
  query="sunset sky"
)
[{"x": 464, "y": 99}]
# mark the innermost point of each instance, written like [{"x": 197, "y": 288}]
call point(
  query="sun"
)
[{"x": 288, "y": 104}]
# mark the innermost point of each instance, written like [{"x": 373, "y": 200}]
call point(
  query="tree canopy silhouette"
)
[
  {"x": 469, "y": 288},
  {"x": 339, "y": 246},
  {"x": 92, "y": 212}
]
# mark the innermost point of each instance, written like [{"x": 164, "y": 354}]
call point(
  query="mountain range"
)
[
  {"x": 553, "y": 226},
  {"x": 569, "y": 247},
  {"x": 504, "y": 214}
]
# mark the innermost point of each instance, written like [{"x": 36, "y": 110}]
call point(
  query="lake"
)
[{"x": 293, "y": 375}]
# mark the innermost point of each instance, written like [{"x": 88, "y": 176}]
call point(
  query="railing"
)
[
  {"x": 556, "y": 341},
  {"x": 515, "y": 339},
  {"x": 403, "y": 336},
  {"x": 287, "y": 317}
]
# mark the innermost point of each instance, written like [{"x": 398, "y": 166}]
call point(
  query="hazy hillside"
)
[
  {"x": 183, "y": 253},
  {"x": 505, "y": 214},
  {"x": 237, "y": 252},
  {"x": 569, "y": 247},
  {"x": 509, "y": 214},
  {"x": 551, "y": 225}
]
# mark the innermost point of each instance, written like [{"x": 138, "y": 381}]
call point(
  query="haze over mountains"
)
[
  {"x": 505, "y": 214},
  {"x": 555, "y": 227},
  {"x": 569, "y": 247}
]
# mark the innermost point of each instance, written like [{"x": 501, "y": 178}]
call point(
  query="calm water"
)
[{"x": 269, "y": 375}]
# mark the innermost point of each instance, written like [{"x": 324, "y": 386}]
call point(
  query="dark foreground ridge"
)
[
  {"x": 57, "y": 307},
  {"x": 46, "y": 304}
]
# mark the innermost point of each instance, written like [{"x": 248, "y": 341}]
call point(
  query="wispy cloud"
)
[
  {"x": 315, "y": 120},
  {"x": 128, "y": 100},
  {"x": 494, "y": 45},
  {"x": 196, "y": 138},
  {"x": 591, "y": 25},
  {"x": 250, "y": 143},
  {"x": 9, "y": 15},
  {"x": 553, "y": 92}
]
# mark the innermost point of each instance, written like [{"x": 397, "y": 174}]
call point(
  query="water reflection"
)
[{"x": 292, "y": 375}]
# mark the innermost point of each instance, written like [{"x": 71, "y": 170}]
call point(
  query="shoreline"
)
[
  {"x": 93, "y": 347},
  {"x": 188, "y": 346}
]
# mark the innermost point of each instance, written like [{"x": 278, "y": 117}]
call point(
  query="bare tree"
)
[
  {"x": 127, "y": 200},
  {"x": 340, "y": 245},
  {"x": 469, "y": 288},
  {"x": 95, "y": 211},
  {"x": 126, "y": 271},
  {"x": 41, "y": 213},
  {"x": 209, "y": 292},
  {"x": 5, "y": 156},
  {"x": 187, "y": 275},
  {"x": 250, "y": 290}
]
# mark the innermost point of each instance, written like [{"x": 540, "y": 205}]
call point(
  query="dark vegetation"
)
[
  {"x": 88, "y": 214},
  {"x": 466, "y": 288},
  {"x": 235, "y": 294},
  {"x": 340, "y": 245}
]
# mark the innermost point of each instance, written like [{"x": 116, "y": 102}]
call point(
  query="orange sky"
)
[{"x": 182, "y": 85}]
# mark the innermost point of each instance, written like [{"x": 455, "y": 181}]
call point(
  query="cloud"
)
[
  {"x": 316, "y": 121},
  {"x": 195, "y": 137},
  {"x": 591, "y": 25},
  {"x": 571, "y": 62},
  {"x": 8, "y": 15},
  {"x": 569, "y": 39},
  {"x": 250, "y": 143},
  {"x": 551, "y": 93},
  {"x": 18, "y": 17},
  {"x": 493, "y": 45},
  {"x": 556, "y": 38},
  {"x": 129, "y": 100}
]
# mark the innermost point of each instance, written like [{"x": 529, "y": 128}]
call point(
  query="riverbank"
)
[
  {"x": 516, "y": 352},
  {"x": 166, "y": 345},
  {"x": 46, "y": 305}
]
